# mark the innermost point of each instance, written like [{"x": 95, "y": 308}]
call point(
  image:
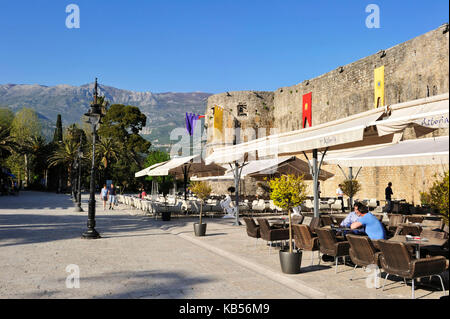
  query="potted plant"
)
[
  {"x": 202, "y": 190},
  {"x": 350, "y": 187},
  {"x": 287, "y": 192}
]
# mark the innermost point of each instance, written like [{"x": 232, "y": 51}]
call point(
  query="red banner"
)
[{"x": 306, "y": 109}]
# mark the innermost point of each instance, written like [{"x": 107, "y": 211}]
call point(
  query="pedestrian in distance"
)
[
  {"x": 340, "y": 196},
  {"x": 112, "y": 196},
  {"x": 388, "y": 195},
  {"x": 104, "y": 195}
]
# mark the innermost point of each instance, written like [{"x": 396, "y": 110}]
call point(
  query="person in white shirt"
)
[{"x": 340, "y": 196}]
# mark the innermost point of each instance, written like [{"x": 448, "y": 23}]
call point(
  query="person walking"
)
[
  {"x": 112, "y": 196},
  {"x": 104, "y": 195},
  {"x": 340, "y": 196},
  {"x": 388, "y": 194}
]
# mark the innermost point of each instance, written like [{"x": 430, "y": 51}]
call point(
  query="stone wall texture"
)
[{"x": 414, "y": 69}]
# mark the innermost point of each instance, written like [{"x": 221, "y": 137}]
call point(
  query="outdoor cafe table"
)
[{"x": 418, "y": 243}]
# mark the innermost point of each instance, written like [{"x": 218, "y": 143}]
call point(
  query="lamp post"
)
[
  {"x": 80, "y": 155},
  {"x": 94, "y": 116}
]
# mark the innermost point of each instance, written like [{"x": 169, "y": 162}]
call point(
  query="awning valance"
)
[
  {"x": 427, "y": 151},
  {"x": 425, "y": 115},
  {"x": 262, "y": 168}
]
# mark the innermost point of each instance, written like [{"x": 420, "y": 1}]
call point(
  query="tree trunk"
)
[
  {"x": 201, "y": 210},
  {"x": 290, "y": 231},
  {"x": 26, "y": 170}
]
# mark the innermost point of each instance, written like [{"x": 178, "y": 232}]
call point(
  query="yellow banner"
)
[
  {"x": 379, "y": 86},
  {"x": 218, "y": 122}
]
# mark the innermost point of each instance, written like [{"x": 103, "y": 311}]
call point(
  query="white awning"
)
[
  {"x": 187, "y": 164},
  {"x": 163, "y": 170},
  {"x": 427, "y": 151},
  {"x": 424, "y": 115},
  {"x": 357, "y": 130},
  {"x": 342, "y": 131},
  {"x": 260, "y": 168},
  {"x": 145, "y": 171}
]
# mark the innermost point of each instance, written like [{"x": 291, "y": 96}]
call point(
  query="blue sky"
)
[{"x": 199, "y": 45}]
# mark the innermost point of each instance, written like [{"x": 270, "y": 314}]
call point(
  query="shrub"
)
[
  {"x": 437, "y": 196},
  {"x": 287, "y": 192}
]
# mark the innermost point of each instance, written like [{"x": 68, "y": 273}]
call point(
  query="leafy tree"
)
[
  {"x": 202, "y": 190},
  {"x": 120, "y": 127},
  {"x": 351, "y": 187},
  {"x": 6, "y": 117},
  {"x": 287, "y": 192},
  {"x": 155, "y": 157},
  {"x": 24, "y": 128}
]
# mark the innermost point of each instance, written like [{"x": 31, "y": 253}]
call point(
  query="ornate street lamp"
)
[{"x": 94, "y": 116}]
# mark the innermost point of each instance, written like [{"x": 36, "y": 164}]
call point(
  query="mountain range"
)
[{"x": 164, "y": 111}]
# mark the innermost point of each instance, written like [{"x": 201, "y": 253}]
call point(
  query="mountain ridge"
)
[{"x": 73, "y": 101}]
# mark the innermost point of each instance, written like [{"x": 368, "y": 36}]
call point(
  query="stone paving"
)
[{"x": 140, "y": 257}]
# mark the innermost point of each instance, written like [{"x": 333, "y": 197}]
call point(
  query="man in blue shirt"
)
[
  {"x": 349, "y": 220},
  {"x": 373, "y": 227}
]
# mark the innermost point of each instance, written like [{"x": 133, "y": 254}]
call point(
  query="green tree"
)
[
  {"x": 24, "y": 128},
  {"x": 58, "y": 136},
  {"x": 6, "y": 117},
  {"x": 108, "y": 151},
  {"x": 287, "y": 192},
  {"x": 65, "y": 155},
  {"x": 121, "y": 126},
  {"x": 154, "y": 157}
]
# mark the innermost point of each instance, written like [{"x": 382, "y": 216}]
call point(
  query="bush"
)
[{"x": 287, "y": 192}]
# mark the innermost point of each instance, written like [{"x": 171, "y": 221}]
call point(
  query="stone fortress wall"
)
[{"x": 414, "y": 69}]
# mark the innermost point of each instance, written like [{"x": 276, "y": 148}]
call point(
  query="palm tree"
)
[
  {"x": 65, "y": 155},
  {"x": 7, "y": 143},
  {"x": 107, "y": 151}
]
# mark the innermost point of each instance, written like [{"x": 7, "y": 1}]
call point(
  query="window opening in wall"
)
[{"x": 242, "y": 110}]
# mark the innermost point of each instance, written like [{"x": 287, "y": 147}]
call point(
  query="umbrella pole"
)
[
  {"x": 236, "y": 186},
  {"x": 315, "y": 175}
]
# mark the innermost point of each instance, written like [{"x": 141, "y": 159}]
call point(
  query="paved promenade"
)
[{"x": 139, "y": 257}]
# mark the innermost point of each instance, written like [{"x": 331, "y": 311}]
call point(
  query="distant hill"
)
[{"x": 164, "y": 111}]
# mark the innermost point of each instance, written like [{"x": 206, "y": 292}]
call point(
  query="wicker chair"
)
[
  {"x": 413, "y": 230},
  {"x": 394, "y": 220},
  {"x": 362, "y": 252},
  {"x": 396, "y": 259},
  {"x": 252, "y": 228},
  {"x": 414, "y": 219},
  {"x": 326, "y": 220},
  {"x": 316, "y": 222},
  {"x": 330, "y": 245},
  {"x": 271, "y": 234},
  {"x": 306, "y": 240}
]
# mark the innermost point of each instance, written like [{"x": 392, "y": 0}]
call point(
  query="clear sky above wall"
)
[{"x": 199, "y": 45}]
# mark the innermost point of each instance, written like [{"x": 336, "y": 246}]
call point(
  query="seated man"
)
[
  {"x": 373, "y": 227},
  {"x": 349, "y": 220}
]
